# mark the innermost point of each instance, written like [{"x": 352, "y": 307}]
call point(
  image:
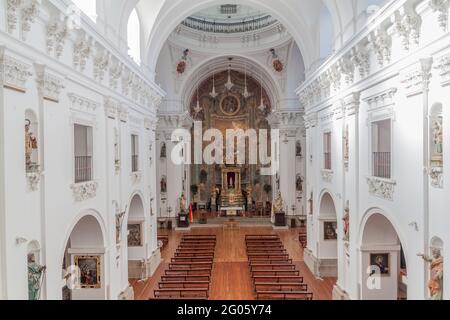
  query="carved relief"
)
[
  {"x": 381, "y": 188},
  {"x": 57, "y": 34},
  {"x": 441, "y": 6},
  {"x": 29, "y": 13},
  {"x": 84, "y": 191},
  {"x": 49, "y": 86}
]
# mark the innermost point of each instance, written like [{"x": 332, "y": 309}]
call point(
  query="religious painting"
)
[
  {"x": 135, "y": 235},
  {"x": 230, "y": 105},
  {"x": 89, "y": 267},
  {"x": 379, "y": 263},
  {"x": 330, "y": 230}
]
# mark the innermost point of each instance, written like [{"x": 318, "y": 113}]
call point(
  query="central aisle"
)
[{"x": 231, "y": 278}]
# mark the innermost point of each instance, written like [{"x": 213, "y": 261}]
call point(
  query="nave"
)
[{"x": 231, "y": 279}]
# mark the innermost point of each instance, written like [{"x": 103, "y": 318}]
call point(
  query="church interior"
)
[{"x": 211, "y": 150}]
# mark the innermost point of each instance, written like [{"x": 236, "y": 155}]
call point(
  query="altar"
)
[{"x": 232, "y": 203}]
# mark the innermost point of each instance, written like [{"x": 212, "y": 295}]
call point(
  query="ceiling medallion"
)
[{"x": 230, "y": 105}]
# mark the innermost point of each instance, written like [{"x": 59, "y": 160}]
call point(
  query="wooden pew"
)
[
  {"x": 193, "y": 259},
  {"x": 274, "y": 262},
  {"x": 266, "y": 252},
  {"x": 273, "y": 286},
  {"x": 261, "y": 236},
  {"x": 181, "y": 293},
  {"x": 284, "y": 295},
  {"x": 208, "y": 237},
  {"x": 272, "y": 267},
  {"x": 184, "y": 285},
  {"x": 185, "y": 278},
  {"x": 193, "y": 254},
  {"x": 189, "y": 272},
  {"x": 275, "y": 273},
  {"x": 278, "y": 279},
  {"x": 190, "y": 265},
  {"x": 268, "y": 255}
]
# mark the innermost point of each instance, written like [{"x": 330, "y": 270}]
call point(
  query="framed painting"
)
[
  {"x": 89, "y": 267},
  {"x": 380, "y": 264},
  {"x": 330, "y": 230},
  {"x": 135, "y": 235}
]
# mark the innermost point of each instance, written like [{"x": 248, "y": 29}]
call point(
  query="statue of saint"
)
[
  {"x": 182, "y": 203},
  {"x": 299, "y": 184},
  {"x": 437, "y": 136},
  {"x": 163, "y": 154},
  {"x": 30, "y": 143},
  {"x": 278, "y": 205},
  {"x": 35, "y": 274},
  {"x": 435, "y": 284},
  {"x": 163, "y": 185},
  {"x": 346, "y": 220}
]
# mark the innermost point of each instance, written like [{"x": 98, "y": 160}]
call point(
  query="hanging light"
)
[
  {"x": 229, "y": 85},
  {"x": 213, "y": 93},
  {"x": 261, "y": 107},
  {"x": 246, "y": 93},
  {"x": 197, "y": 108}
]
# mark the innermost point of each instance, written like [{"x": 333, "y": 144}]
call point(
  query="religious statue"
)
[
  {"x": 119, "y": 221},
  {"x": 435, "y": 284},
  {"x": 163, "y": 154},
  {"x": 182, "y": 203},
  {"x": 163, "y": 185},
  {"x": 299, "y": 183},
  {"x": 35, "y": 277},
  {"x": 346, "y": 220},
  {"x": 437, "y": 136},
  {"x": 278, "y": 205},
  {"x": 30, "y": 143},
  {"x": 298, "y": 149}
]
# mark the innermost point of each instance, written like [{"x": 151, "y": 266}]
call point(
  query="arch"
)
[
  {"x": 85, "y": 241},
  {"x": 327, "y": 207},
  {"x": 136, "y": 208},
  {"x": 85, "y": 213},
  {"x": 292, "y": 15},
  {"x": 134, "y": 36},
  {"x": 218, "y": 64},
  {"x": 381, "y": 254}
]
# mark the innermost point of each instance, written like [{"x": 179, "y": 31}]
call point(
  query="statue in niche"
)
[
  {"x": 163, "y": 185},
  {"x": 298, "y": 149},
  {"x": 311, "y": 204},
  {"x": 299, "y": 183},
  {"x": 438, "y": 137},
  {"x": 30, "y": 144},
  {"x": 435, "y": 284},
  {"x": 35, "y": 277},
  {"x": 163, "y": 154},
  {"x": 346, "y": 220},
  {"x": 116, "y": 149}
]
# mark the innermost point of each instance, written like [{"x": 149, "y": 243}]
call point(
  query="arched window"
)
[
  {"x": 134, "y": 37},
  {"x": 89, "y": 7}
]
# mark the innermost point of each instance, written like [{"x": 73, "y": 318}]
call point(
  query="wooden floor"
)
[{"x": 231, "y": 278}]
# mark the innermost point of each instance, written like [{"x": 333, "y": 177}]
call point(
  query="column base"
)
[
  {"x": 339, "y": 293},
  {"x": 127, "y": 294},
  {"x": 320, "y": 267}
]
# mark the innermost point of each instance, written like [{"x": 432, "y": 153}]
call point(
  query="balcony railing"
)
[
  {"x": 233, "y": 27},
  {"x": 83, "y": 169},
  {"x": 327, "y": 160},
  {"x": 382, "y": 165},
  {"x": 135, "y": 163}
]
